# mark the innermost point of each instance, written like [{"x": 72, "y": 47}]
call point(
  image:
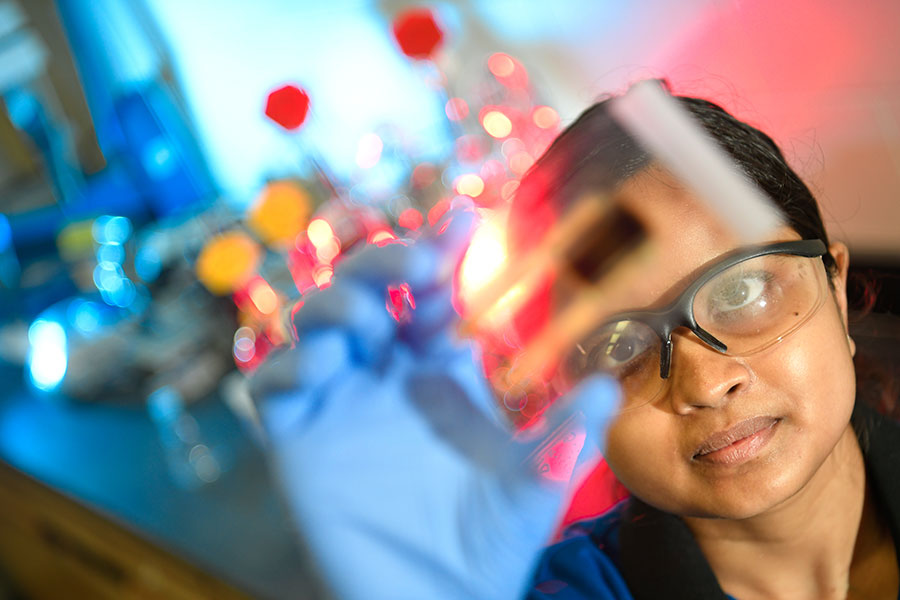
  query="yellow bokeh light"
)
[
  {"x": 263, "y": 297},
  {"x": 227, "y": 262},
  {"x": 320, "y": 232},
  {"x": 280, "y": 212},
  {"x": 329, "y": 250},
  {"x": 483, "y": 259},
  {"x": 470, "y": 185},
  {"x": 322, "y": 276},
  {"x": 497, "y": 124},
  {"x": 382, "y": 235}
]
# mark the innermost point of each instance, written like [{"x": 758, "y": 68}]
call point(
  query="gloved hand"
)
[{"x": 402, "y": 479}]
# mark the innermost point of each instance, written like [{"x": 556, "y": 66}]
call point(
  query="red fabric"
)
[{"x": 600, "y": 491}]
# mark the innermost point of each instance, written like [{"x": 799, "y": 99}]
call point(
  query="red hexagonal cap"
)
[
  {"x": 417, "y": 32},
  {"x": 288, "y": 106}
]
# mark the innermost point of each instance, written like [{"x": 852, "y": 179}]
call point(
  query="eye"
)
[
  {"x": 739, "y": 291},
  {"x": 617, "y": 348}
]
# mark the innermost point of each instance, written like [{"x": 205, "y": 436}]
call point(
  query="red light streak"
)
[{"x": 410, "y": 219}]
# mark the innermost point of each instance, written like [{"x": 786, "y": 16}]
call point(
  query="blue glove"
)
[{"x": 403, "y": 480}]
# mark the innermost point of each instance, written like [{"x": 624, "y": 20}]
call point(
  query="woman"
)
[
  {"x": 734, "y": 431},
  {"x": 746, "y": 473}
]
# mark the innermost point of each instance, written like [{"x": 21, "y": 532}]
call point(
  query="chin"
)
[{"x": 738, "y": 497}]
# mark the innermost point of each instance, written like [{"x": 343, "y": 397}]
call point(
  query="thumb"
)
[{"x": 570, "y": 439}]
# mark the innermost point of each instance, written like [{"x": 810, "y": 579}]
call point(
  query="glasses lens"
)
[
  {"x": 757, "y": 302},
  {"x": 626, "y": 350}
]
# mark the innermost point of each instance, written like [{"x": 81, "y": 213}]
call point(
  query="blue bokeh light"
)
[
  {"x": 47, "y": 358},
  {"x": 148, "y": 263},
  {"x": 85, "y": 316},
  {"x": 111, "y": 253},
  {"x": 111, "y": 229}
]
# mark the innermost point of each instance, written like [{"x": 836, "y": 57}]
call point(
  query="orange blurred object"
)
[
  {"x": 227, "y": 262},
  {"x": 280, "y": 213}
]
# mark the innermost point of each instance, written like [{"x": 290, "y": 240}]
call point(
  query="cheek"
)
[
  {"x": 814, "y": 368},
  {"x": 642, "y": 453}
]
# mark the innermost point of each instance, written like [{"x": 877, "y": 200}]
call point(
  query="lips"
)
[{"x": 743, "y": 430}]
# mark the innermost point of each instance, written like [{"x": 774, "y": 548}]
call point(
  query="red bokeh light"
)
[
  {"x": 456, "y": 109},
  {"x": 417, "y": 33},
  {"x": 288, "y": 106},
  {"x": 410, "y": 219},
  {"x": 400, "y": 302},
  {"x": 423, "y": 175},
  {"x": 471, "y": 148},
  {"x": 508, "y": 71}
]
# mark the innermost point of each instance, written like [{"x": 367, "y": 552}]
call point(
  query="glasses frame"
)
[{"x": 680, "y": 312}]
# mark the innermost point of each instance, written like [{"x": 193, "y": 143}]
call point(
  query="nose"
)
[{"x": 702, "y": 377}]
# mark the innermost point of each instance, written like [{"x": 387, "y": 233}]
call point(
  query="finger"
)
[
  {"x": 597, "y": 399},
  {"x": 287, "y": 386},
  {"x": 573, "y": 431},
  {"x": 312, "y": 362},
  {"x": 354, "y": 309},
  {"x": 453, "y": 409},
  {"x": 378, "y": 267},
  {"x": 434, "y": 313}
]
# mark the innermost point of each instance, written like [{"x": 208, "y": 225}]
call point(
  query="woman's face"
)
[{"x": 800, "y": 391}]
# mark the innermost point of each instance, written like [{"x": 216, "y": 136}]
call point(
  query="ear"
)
[{"x": 839, "y": 281}]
